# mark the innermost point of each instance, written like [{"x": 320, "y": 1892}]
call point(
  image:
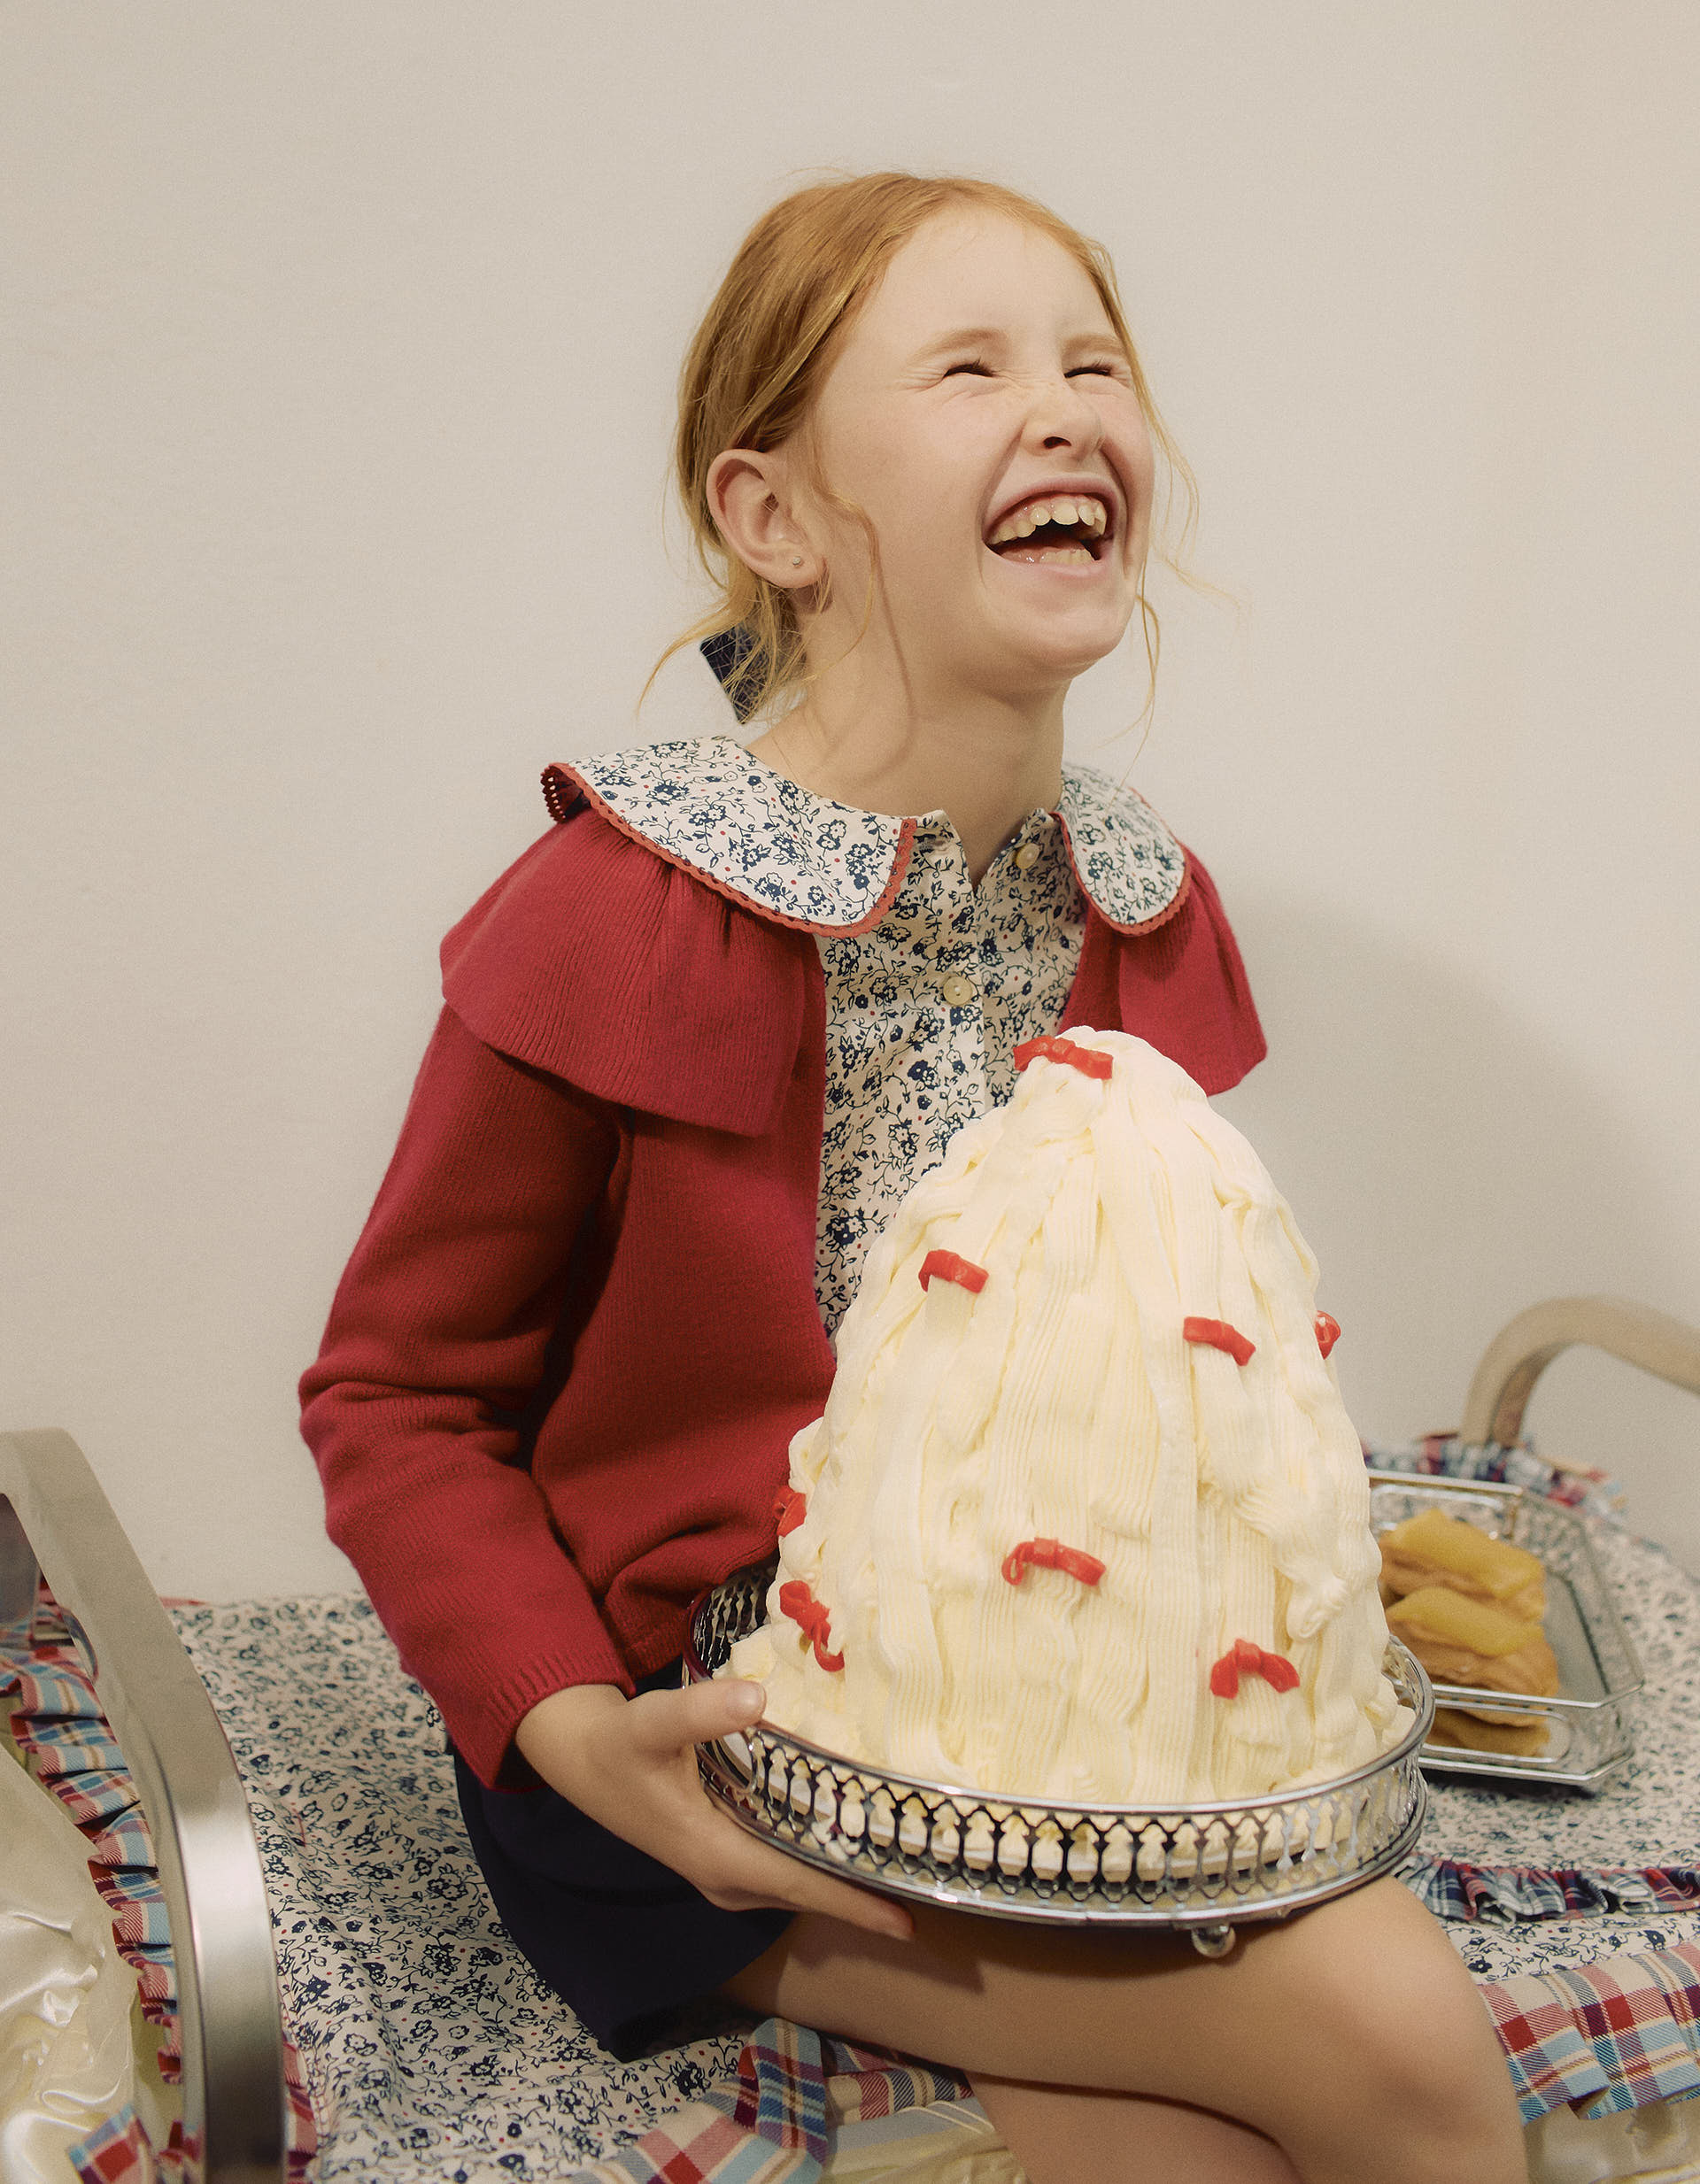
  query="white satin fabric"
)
[
  {"x": 1659, "y": 2144},
  {"x": 65, "y": 2059}
]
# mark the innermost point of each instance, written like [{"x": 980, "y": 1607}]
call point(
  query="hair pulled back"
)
[{"x": 767, "y": 341}]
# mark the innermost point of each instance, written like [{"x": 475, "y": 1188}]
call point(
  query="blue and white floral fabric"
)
[
  {"x": 707, "y": 804},
  {"x": 931, "y": 982},
  {"x": 924, "y": 1011}
]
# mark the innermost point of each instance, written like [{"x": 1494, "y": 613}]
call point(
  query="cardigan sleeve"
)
[{"x": 438, "y": 1337}]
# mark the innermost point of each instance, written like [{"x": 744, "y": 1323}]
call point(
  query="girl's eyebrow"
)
[
  {"x": 961, "y": 337},
  {"x": 987, "y": 336}
]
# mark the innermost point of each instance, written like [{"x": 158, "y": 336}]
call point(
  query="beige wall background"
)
[{"x": 339, "y": 342}]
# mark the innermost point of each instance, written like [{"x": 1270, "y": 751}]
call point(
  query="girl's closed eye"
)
[{"x": 978, "y": 368}]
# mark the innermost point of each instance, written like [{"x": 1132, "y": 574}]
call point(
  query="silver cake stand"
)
[{"x": 1202, "y": 1871}]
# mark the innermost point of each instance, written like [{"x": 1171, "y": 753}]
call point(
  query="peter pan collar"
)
[{"x": 804, "y": 860}]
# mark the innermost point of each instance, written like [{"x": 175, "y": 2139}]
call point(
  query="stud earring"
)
[{"x": 796, "y": 561}]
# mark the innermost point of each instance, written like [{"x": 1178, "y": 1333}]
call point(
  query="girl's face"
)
[{"x": 980, "y": 390}]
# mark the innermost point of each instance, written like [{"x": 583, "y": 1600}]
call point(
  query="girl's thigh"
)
[{"x": 1340, "y": 2019}]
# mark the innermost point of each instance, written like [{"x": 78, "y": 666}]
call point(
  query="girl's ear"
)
[{"x": 749, "y": 494}]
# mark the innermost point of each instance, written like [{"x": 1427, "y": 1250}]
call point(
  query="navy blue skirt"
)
[{"x": 626, "y": 1943}]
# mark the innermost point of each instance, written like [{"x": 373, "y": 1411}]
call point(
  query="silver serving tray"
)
[
  {"x": 1589, "y": 1729},
  {"x": 1202, "y": 1871}
]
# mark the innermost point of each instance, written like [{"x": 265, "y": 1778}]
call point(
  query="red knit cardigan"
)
[{"x": 579, "y": 1329}]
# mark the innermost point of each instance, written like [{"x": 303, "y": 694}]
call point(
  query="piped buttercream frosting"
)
[{"x": 1085, "y": 1519}]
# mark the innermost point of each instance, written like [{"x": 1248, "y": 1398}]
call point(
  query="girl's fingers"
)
[
  {"x": 664, "y": 1722},
  {"x": 855, "y": 1907},
  {"x": 731, "y": 1867},
  {"x": 740, "y": 1873}
]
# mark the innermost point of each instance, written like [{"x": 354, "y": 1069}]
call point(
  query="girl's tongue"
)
[{"x": 1031, "y": 550}]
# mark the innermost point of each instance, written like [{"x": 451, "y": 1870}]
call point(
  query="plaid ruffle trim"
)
[
  {"x": 1619, "y": 2034},
  {"x": 1453, "y": 1888},
  {"x": 63, "y": 1733},
  {"x": 1443, "y": 1455},
  {"x": 772, "y": 2121},
  {"x": 119, "y": 2153}
]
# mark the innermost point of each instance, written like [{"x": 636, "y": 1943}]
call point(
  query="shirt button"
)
[
  {"x": 1027, "y": 856},
  {"x": 958, "y": 992}
]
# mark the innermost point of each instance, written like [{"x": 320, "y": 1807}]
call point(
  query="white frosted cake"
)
[{"x": 1084, "y": 1519}]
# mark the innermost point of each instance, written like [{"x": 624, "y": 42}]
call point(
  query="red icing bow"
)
[
  {"x": 1327, "y": 1332},
  {"x": 1216, "y": 1334},
  {"x": 1090, "y": 1061},
  {"x": 1051, "y": 1555},
  {"x": 1244, "y": 1658},
  {"x": 950, "y": 1266},
  {"x": 790, "y": 1507},
  {"x": 797, "y": 1601}
]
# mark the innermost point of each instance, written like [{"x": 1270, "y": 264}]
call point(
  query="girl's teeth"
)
[{"x": 1026, "y": 521}]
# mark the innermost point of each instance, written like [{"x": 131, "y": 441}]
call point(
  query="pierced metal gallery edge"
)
[{"x": 1202, "y": 1871}]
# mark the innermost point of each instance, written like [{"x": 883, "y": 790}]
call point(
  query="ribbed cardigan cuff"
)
[{"x": 481, "y": 1722}]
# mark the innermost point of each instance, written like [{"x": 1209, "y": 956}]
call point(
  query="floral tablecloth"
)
[{"x": 425, "y": 2048}]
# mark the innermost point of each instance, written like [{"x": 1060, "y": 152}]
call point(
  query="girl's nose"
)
[{"x": 1061, "y": 417}]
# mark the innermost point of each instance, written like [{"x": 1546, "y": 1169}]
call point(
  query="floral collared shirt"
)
[
  {"x": 932, "y": 982},
  {"x": 923, "y": 1011}
]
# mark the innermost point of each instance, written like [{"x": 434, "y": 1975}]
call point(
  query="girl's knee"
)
[
  {"x": 1419, "y": 2020},
  {"x": 1384, "y": 2008}
]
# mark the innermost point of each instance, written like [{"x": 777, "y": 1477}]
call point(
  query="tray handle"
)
[{"x": 1522, "y": 1350}]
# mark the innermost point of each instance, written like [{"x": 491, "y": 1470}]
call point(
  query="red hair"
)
[{"x": 799, "y": 277}]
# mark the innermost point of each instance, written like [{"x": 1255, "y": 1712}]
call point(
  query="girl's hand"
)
[{"x": 631, "y": 1765}]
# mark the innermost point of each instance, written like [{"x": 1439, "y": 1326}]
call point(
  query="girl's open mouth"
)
[{"x": 1070, "y": 530}]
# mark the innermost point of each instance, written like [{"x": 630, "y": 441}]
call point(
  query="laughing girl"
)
[{"x": 699, "y": 1042}]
